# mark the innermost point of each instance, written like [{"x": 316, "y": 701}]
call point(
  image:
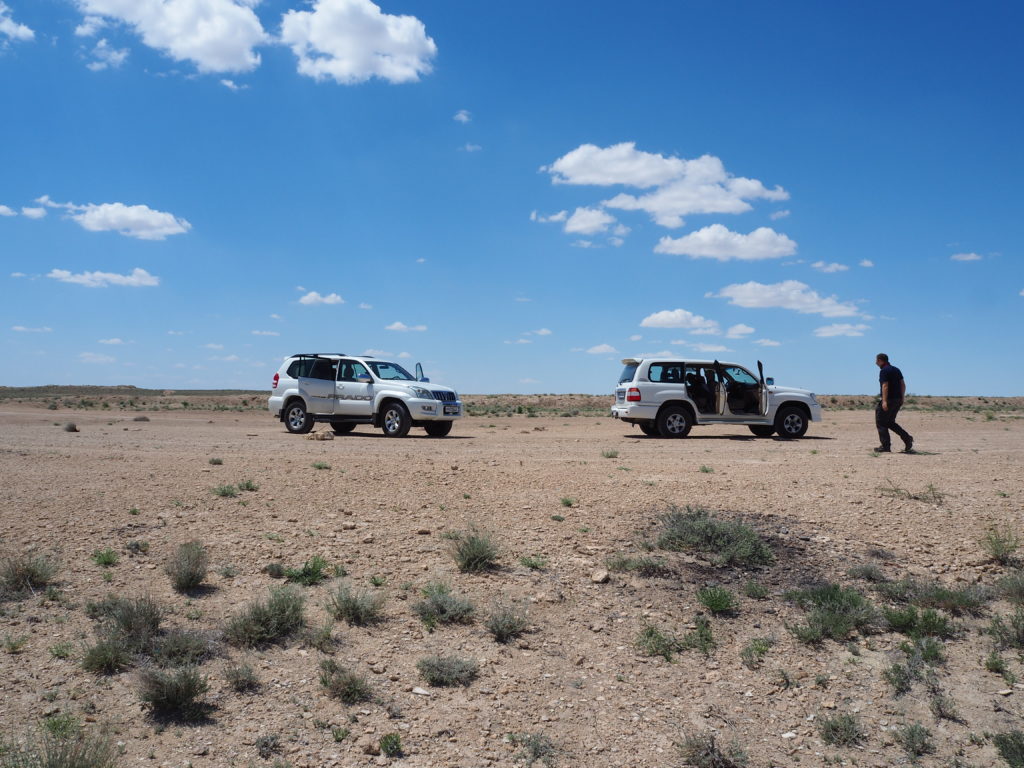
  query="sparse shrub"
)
[
  {"x": 755, "y": 591},
  {"x": 343, "y": 684},
  {"x": 926, "y": 623},
  {"x": 107, "y": 657},
  {"x": 868, "y": 572},
  {"x": 924, "y": 649},
  {"x": 944, "y": 708},
  {"x": 1010, "y": 747},
  {"x": 242, "y": 678},
  {"x": 700, "y": 638},
  {"x": 86, "y": 750},
  {"x": 834, "y": 612},
  {"x": 312, "y": 572},
  {"x": 474, "y": 551},
  {"x": 915, "y": 739},
  {"x": 216, "y": 462},
  {"x": 754, "y": 652},
  {"x": 567, "y": 501},
  {"x": 653, "y": 642},
  {"x": 180, "y": 648},
  {"x": 321, "y": 638},
  {"x": 64, "y": 726},
  {"x": 137, "y": 547},
  {"x": 14, "y": 645},
  {"x": 391, "y": 745},
  {"x": 558, "y": 518},
  {"x": 534, "y": 562},
  {"x": 728, "y": 542},
  {"x": 225, "y": 491},
  {"x": 1001, "y": 544},
  {"x": 189, "y": 566},
  {"x": 248, "y": 485},
  {"x": 339, "y": 734},
  {"x": 268, "y": 745},
  {"x": 105, "y": 557},
  {"x": 25, "y": 573},
  {"x": 227, "y": 571},
  {"x": 262, "y": 623},
  {"x": 61, "y": 650},
  {"x": 174, "y": 694},
  {"x": 706, "y": 470},
  {"x": 440, "y": 606},
  {"x": 321, "y": 465},
  {"x": 134, "y": 622},
  {"x": 901, "y": 677},
  {"x": 718, "y": 600},
  {"x": 610, "y": 453},
  {"x": 357, "y": 608},
  {"x": 1008, "y": 634},
  {"x": 506, "y": 622},
  {"x": 996, "y": 663},
  {"x": 274, "y": 570},
  {"x": 70, "y": 426},
  {"x": 1011, "y": 587},
  {"x": 534, "y": 747},
  {"x": 842, "y": 730},
  {"x": 445, "y": 671},
  {"x": 649, "y": 567},
  {"x": 702, "y": 751},
  {"x": 931, "y": 594}
]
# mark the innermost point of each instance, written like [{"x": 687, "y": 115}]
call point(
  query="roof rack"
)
[{"x": 321, "y": 354}]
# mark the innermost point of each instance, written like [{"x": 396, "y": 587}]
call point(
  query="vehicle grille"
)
[{"x": 448, "y": 397}]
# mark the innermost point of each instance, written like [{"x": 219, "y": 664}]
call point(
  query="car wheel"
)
[
  {"x": 438, "y": 428},
  {"x": 762, "y": 430},
  {"x": 342, "y": 427},
  {"x": 296, "y": 419},
  {"x": 395, "y": 420},
  {"x": 791, "y": 422},
  {"x": 649, "y": 428},
  {"x": 674, "y": 421}
]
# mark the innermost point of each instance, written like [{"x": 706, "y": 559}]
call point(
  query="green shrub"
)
[
  {"x": 842, "y": 730},
  {"x": 312, "y": 572},
  {"x": 702, "y": 751},
  {"x": 248, "y": 485},
  {"x": 391, "y": 745},
  {"x": 1008, "y": 633},
  {"x": 728, "y": 542},
  {"x": 216, "y": 462},
  {"x": 834, "y": 612},
  {"x": 534, "y": 562},
  {"x": 137, "y": 547},
  {"x": 189, "y": 566},
  {"x": 931, "y": 594},
  {"x": 268, "y": 745},
  {"x": 107, "y": 657},
  {"x": 901, "y": 677},
  {"x": 700, "y": 638},
  {"x": 915, "y": 739},
  {"x": 754, "y": 652},
  {"x": 105, "y": 557},
  {"x": 180, "y": 648},
  {"x": 534, "y": 747},
  {"x": 649, "y": 567},
  {"x": 242, "y": 678},
  {"x": 868, "y": 572},
  {"x": 506, "y": 622},
  {"x": 357, "y": 608},
  {"x": 653, "y": 642},
  {"x": 1001, "y": 544},
  {"x": 63, "y": 726},
  {"x": 175, "y": 693},
  {"x": 321, "y": 465},
  {"x": 321, "y": 638},
  {"x": 567, "y": 501},
  {"x": 262, "y": 623},
  {"x": 1010, "y": 747},
  {"x": 274, "y": 570},
  {"x": 343, "y": 684},
  {"x": 25, "y": 573},
  {"x": 718, "y": 600},
  {"x": 445, "y": 671},
  {"x": 440, "y": 606},
  {"x": 474, "y": 551},
  {"x": 134, "y": 622},
  {"x": 225, "y": 491},
  {"x": 610, "y": 453},
  {"x": 1011, "y": 587},
  {"x": 755, "y": 591},
  {"x": 87, "y": 750}
]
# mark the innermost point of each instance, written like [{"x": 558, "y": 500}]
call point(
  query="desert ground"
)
[{"x": 576, "y": 494}]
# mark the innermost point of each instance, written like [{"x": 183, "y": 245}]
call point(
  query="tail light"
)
[
  {"x": 277, "y": 378},
  {"x": 633, "y": 395}
]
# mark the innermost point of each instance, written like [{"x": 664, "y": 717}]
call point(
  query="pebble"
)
[{"x": 599, "y": 576}]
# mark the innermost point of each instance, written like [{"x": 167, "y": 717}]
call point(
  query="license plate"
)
[{"x": 451, "y": 409}]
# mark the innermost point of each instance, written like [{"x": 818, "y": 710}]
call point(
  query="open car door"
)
[
  {"x": 721, "y": 393},
  {"x": 762, "y": 389}
]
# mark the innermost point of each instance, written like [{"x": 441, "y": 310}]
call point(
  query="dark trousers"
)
[{"x": 885, "y": 421}]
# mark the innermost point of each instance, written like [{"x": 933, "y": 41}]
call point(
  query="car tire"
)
[
  {"x": 674, "y": 421},
  {"x": 762, "y": 430},
  {"x": 791, "y": 422},
  {"x": 649, "y": 428},
  {"x": 438, "y": 428},
  {"x": 297, "y": 419},
  {"x": 395, "y": 420},
  {"x": 342, "y": 427}
]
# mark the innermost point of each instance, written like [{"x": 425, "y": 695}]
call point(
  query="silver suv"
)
[
  {"x": 667, "y": 396},
  {"x": 348, "y": 390}
]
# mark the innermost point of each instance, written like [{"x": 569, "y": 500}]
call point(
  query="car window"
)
[
  {"x": 351, "y": 370},
  {"x": 740, "y": 375},
  {"x": 391, "y": 371},
  {"x": 323, "y": 369},
  {"x": 300, "y": 367},
  {"x": 667, "y": 373},
  {"x": 628, "y": 373}
]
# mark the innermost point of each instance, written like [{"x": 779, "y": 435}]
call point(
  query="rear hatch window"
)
[{"x": 628, "y": 372}]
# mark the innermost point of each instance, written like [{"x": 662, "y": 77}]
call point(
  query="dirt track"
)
[{"x": 822, "y": 502}]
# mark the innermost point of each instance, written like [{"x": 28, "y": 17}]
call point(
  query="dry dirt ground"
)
[{"x": 379, "y": 509}]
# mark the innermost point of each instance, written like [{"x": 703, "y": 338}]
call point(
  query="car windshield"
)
[
  {"x": 628, "y": 372},
  {"x": 390, "y": 371}
]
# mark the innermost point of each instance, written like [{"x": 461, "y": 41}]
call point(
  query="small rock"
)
[
  {"x": 348, "y": 526},
  {"x": 600, "y": 576},
  {"x": 420, "y": 691},
  {"x": 1005, "y": 692},
  {"x": 423, "y": 531},
  {"x": 789, "y": 735}
]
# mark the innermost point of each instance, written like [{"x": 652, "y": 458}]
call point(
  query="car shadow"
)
[
  {"x": 740, "y": 438},
  {"x": 410, "y": 436}
]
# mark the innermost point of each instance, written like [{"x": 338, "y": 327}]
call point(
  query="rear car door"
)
[{"x": 317, "y": 386}]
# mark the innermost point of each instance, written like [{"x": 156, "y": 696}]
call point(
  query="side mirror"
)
[
  {"x": 419, "y": 374},
  {"x": 770, "y": 381},
  {"x": 364, "y": 379}
]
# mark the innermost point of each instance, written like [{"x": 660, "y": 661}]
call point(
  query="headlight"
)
[{"x": 421, "y": 392}]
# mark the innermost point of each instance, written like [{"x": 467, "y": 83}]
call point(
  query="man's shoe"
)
[
  {"x": 909, "y": 446},
  {"x": 883, "y": 449}
]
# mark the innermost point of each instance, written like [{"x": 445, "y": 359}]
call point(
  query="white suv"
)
[
  {"x": 346, "y": 390},
  {"x": 667, "y": 397}
]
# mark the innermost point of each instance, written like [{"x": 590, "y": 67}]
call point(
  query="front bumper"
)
[{"x": 423, "y": 409}]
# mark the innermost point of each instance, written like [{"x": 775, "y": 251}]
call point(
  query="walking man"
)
[{"x": 893, "y": 389}]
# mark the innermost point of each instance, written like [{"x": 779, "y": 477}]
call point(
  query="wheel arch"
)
[
  {"x": 802, "y": 406},
  {"x": 288, "y": 404},
  {"x": 682, "y": 404},
  {"x": 382, "y": 404}
]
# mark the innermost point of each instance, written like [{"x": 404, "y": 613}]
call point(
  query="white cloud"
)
[
  {"x": 364, "y": 305},
  {"x": 520, "y": 341},
  {"x": 400, "y": 326},
  {"x": 175, "y": 333},
  {"x": 226, "y": 358},
  {"x": 314, "y": 297},
  {"x": 5, "y": 211},
  {"x": 139, "y": 278},
  {"x": 768, "y": 342},
  {"x": 106, "y": 56},
  {"x": 421, "y": 260},
  {"x": 588, "y": 221},
  {"x": 93, "y": 358},
  {"x": 23, "y": 329},
  {"x": 351, "y": 41},
  {"x": 966, "y": 257},
  {"x": 11, "y": 29},
  {"x": 543, "y": 332},
  {"x": 231, "y": 85},
  {"x": 529, "y": 381},
  {"x": 602, "y": 349},
  {"x": 866, "y": 263},
  {"x": 471, "y": 147},
  {"x": 265, "y": 333},
  {"x": 710, "y": 348},
  {"x": 404, "y": 355},
  {"x": 462, "y": 116},
  {"x": 376, "y": 353},
  {"x": 560, "y": 216},
  {"x": 215, "y": 35},
  {"x": 738, "y": 331},
  {"x": 18, "y": 274},
  {"x": 213, "y": 346},
  {"x": 618, "y": 164},
  {"x": 841, "y": 329},
  {"x": 275, "y": 316},
  {"x": 583, "y": 244},
  {"x": 775, "y": 216},
  {"x": 680, "y": 318},
  {"x": 33, "y": 213},
  {"x": 829, "y": 268},
  {"x": 718, "y": 242},
  {"x": 523, "y": 300},
  {"x": 112, "y": 342},
  {"x": 635, "y": 337},
  {"x": 90, "y": 26},
  {"x": 139, "y": 221},
  {"x": 789, "y": 294}
]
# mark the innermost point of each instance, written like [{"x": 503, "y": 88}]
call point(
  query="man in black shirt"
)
[{"x": 893, "y": 389}]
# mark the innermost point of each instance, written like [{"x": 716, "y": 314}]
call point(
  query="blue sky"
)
[{"x": 518, "y": 195}]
